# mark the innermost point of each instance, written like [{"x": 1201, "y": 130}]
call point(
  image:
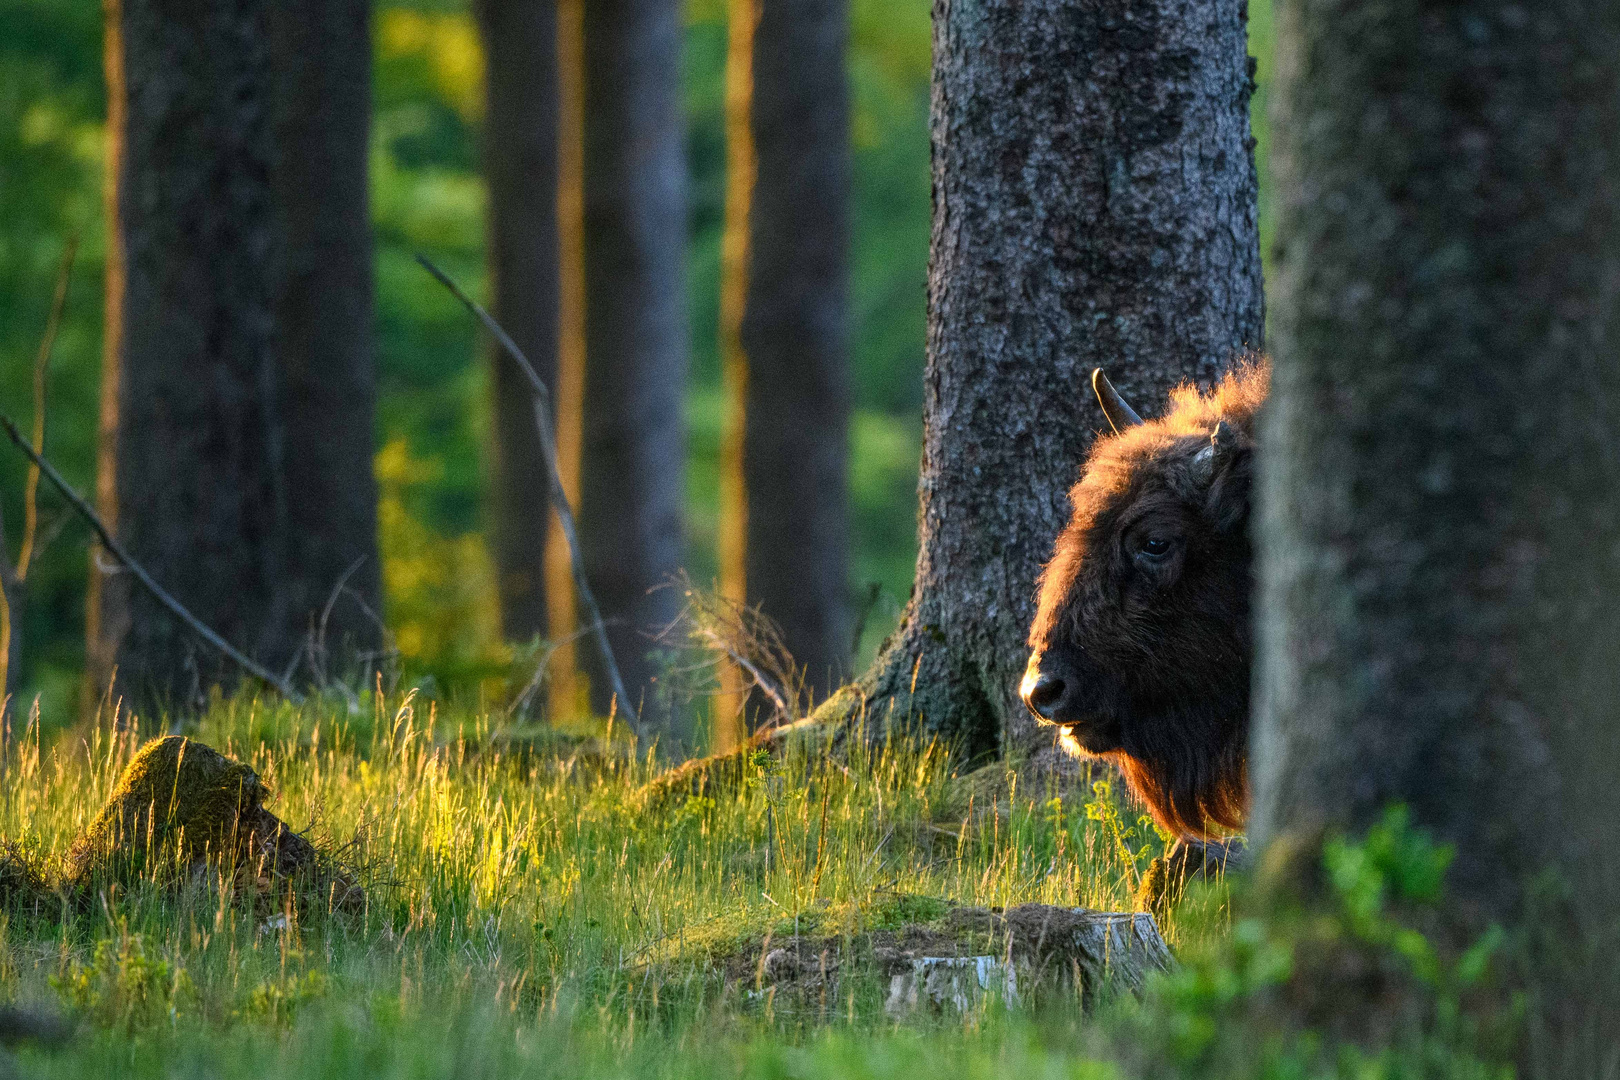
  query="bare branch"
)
[
  {"x": 118, "y": 552},
  {"x": 25, "y": 556},
  {"x": 559, "y": 500}
]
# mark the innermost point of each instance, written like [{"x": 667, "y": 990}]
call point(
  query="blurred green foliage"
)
[{"x": 432, "y": 415}]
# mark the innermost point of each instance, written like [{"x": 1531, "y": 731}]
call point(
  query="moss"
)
[
  {"x": 180, "y": 805},
  {"x": 177, "y": 802}
]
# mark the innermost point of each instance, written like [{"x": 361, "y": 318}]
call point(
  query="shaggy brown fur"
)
[{"x": 1140, "y": 645}]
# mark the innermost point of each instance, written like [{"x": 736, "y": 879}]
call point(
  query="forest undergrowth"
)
[{"x": 530, "y": 911}]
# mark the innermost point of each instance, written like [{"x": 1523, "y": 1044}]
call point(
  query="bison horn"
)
[{"x": 1120, "y": 415}]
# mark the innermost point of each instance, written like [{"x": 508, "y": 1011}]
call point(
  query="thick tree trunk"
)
[
  {"x": 1094, "y": 205},
  {"x": 320, "y": 131},
  {"x": 198, "y": 493},
  {"x": 635, "y": 234},
  {"x": 795, "y": 337},
  {"x": 520, "y": 167},
  {"x": 1440, "y": 538}
]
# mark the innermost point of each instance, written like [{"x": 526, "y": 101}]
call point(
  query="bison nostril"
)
[{"x": 1044, "y": 694}]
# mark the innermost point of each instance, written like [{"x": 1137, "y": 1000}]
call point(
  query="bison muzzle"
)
[{"x": 1141, "y": 640}]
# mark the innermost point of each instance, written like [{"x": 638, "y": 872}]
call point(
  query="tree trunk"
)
[
  {"x": 106, "y": 600},
  {"x": 1094, "y": 205},
  {"x": 197, "y": 492},
  {"x": 795, "y": 337},
  {"x": 520, "y": 168},
  {"x": 729, "y": 726},
  {"x": 569, "y": 392},
  {"x": 635, "y": 234},
  {"x": 1440, "y": 536},
  {"x": 320, "y": 132}
]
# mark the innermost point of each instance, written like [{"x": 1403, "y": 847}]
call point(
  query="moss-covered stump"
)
[
  {"x": 181, "y": 809},
  {"x": 943, "y": 957}
]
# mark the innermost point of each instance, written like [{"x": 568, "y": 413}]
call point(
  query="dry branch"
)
[
  {"x": 559, "y": 499},
  {"x": 25, "y": 556},
  {"x": 129, "y": 563}
]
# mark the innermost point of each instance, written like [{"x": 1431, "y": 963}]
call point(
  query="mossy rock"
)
[{"x": 180, "y": 807}]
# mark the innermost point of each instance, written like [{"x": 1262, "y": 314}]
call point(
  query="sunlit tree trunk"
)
[
  {"x": 569, "y": 391},
  {"x": 107, "y": 592},
  {"x": 635, "y": 234},
  {"x": 742, "y": 18},
  {"x": 1440, "y": 537},
  {"x": 795, "y": 337},
  {"x": 520, "y": 169},
  {"x": 322, "y": 306},
  {"x": 1094, "y": 205}
]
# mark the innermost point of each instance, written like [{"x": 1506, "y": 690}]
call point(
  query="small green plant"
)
[
  {"x": 1356, "y": 986},
  {"x": 1136, "y": 844},
  {"x": 127, "y": 985}
]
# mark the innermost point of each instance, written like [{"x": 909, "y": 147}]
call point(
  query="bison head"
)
[{"x": 1140, "y": 644}]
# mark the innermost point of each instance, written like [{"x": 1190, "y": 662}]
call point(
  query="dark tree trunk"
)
[
  {"x": 198, "y": 490},
  {"x": 635, "y": 233},
  {"x": 1440, "y": 539},
  {"x": 1094, "y": 205},
  {"x": 520, "y": 167},
  {"x": 795, "y": 336},
  {"x": 320, "y": 129}
]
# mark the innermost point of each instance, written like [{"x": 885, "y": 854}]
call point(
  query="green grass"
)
[{"x": 530, "y": 913}]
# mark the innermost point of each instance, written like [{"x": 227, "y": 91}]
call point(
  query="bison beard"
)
[{"x": 1140, "y": 645}]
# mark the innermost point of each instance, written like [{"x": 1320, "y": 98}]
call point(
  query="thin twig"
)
[
  {"x": 118, "y": 552},
  {"x": 559, "y": 499},
  {"x": 25, "y": 556}
]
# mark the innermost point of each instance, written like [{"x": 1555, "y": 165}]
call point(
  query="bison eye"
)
[{"x": 1155, "y": 548}]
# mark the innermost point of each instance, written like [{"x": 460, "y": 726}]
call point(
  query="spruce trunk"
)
[
  {"x": 795, "y": 337},
  {"x": 635, "y": 378},
  {"x": 1440, "y": 539},
  {"x": 520, "y": 167},
  {"x": 324, "y": 348},
  {"x": 1094, "y": 205},
  {"x": 196, "y": 469}
]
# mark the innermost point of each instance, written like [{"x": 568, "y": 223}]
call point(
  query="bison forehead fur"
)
[{"x": 1141, "y": 641}]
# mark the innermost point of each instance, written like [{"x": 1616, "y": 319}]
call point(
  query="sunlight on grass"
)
[{"x": 528, "y": 894}]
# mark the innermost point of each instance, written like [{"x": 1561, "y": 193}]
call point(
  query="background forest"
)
[{"x": 432, "y": 418}]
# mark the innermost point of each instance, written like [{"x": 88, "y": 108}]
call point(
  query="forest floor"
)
[{"x": 530, "y": 911}]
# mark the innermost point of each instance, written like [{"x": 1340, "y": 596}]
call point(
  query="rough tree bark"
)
[
  {"x": 322, "y": 305},
  {"x": 1440, "y": 536},
  {"x": 795, "y": 337},
  {"x": 635, "y": 234},
  {"x": 193, "y": 480},
  {"x": 1094, "y": 205},
  {"x": 520, "y": 168}
]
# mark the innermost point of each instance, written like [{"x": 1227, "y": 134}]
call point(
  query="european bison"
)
[{"x": 1140, "y": 644}]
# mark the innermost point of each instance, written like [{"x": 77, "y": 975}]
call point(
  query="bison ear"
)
[
  {"x": 1225, "y": 464},
  {"x": 1120, "y": 415}
]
